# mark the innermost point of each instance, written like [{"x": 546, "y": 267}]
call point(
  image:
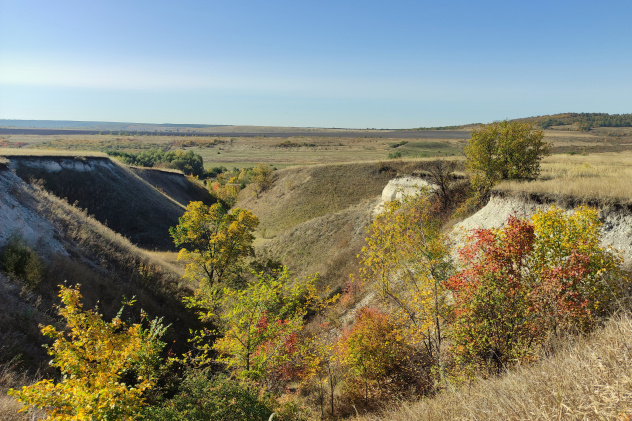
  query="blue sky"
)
[{"x": 383, "y": 64}]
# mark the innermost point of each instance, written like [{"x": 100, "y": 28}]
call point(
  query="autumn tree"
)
[
  {"x": 378, "y": 356},
  {"x": 106, "y": 367},
  {"x": 527, "y": 281},
  {"x": 262, "y": 178},
  {"x": 407, "y": 259},
  {"x": 214, "y": 243},
  {"x": 257, "y": 337},
  {"x": 503, "y": 151}
]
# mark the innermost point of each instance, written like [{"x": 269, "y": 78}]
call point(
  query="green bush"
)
[
  {"x": 186, "y": 161},
  {"x": 204, "y": 398},
  {"x": 19, "y": 260}
]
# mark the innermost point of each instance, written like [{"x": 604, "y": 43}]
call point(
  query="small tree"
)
[
  {"x": 407, "y": 259},
  {"x": 106, "y": 367},
  {"x": 504, "y": 151},
  {"x": 214, "y": 242},
  {"x": 259, "y": 326},
  {"x": 262, "y": 178}
]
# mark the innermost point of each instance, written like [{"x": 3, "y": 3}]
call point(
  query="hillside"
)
[
  {"x": 74, "y": 248},
  {"x": 175, "y": 185},
  {"x": 313, "y": 218},
  {"x": 135, "y": 203},
  {"x": 587, "y": 379}
]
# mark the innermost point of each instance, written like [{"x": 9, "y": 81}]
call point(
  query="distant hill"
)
[{"x": 583, "y": 121}]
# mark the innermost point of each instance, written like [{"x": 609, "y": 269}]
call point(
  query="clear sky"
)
[{"x": 359, "y": 64}]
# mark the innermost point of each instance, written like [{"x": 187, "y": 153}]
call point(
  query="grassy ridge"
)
[{"x": 303, "y": 193}]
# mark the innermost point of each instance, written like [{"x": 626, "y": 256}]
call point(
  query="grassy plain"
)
[
  {"x": 597, "y": 176},
  {"x": 311, "y": 146}
]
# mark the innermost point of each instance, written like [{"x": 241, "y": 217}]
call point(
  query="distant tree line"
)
[
  {"x": 188, "y": 162},
  {"x": 586, "y": 121}
]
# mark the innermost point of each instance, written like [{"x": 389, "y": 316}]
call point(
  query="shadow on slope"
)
[
  {"x": 113, "y": 194},
  {"x": 75, "y": 249},
  {"x": 175, "y": 185}
]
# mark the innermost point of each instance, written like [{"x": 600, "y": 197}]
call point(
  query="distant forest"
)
[{"x": 584, "y": 121}]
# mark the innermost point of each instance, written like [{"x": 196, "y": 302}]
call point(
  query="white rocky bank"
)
[{"x": 616, "y": 230}]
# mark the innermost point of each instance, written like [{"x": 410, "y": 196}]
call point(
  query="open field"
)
[
  {"x": 599, "y": 176},
  {"x": 243, "y": 146}
]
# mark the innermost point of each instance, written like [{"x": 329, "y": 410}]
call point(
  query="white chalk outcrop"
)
[
  {"x": 19, "y": 216},
  {"x": 400, "y": 187},
  {"x": 616, "y": 229}
]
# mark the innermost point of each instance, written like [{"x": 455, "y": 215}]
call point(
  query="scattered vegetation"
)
[
  {"x": 410, "y": 324},
  {"x": 18, "y": 260}
]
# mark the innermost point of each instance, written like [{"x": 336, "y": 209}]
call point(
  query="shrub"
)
[
  {"x": 19, "y": 260},
  {"x": 203, "y": 397},
  {"x": 106, "y": 367},
  {"x": 379, "y": 360},
  {"x": 529, "y": 281}
]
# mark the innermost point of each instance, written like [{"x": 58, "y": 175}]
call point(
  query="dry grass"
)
[
  {"x": 327, "y": 245},
  {"x": 590, "y": 379},
  {"x": 303, "y": 193},
  {"x": 11, "y": 377},
  {"x": 603, "y": 177}
]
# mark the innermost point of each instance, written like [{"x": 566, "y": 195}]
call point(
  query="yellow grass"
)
[
  {"x": 604, "y": 176},
  {"x": 590, "y": 379}
]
